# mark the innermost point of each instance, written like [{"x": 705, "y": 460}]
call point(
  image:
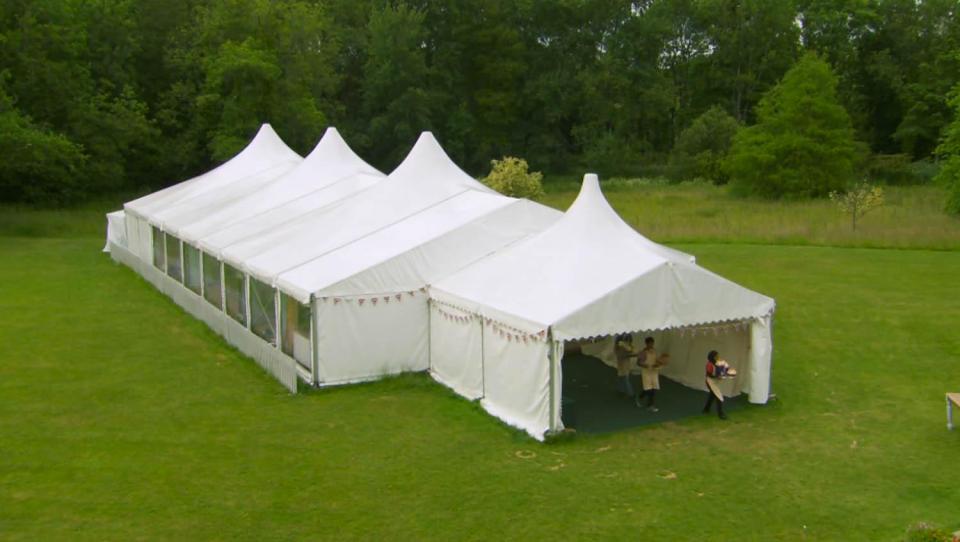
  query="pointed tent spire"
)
[
  {"x": 592, "y": 207},
  {"x": 427, "y": 161},
  {"x": 332, "y": 149},
  {"x": 592, "y": 210},
  {"x": 268, "y": 144}
]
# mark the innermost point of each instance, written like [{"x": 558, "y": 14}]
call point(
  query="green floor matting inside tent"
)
[{"x": 592, "y": 404}]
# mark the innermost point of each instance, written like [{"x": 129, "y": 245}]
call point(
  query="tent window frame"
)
[
  {"x": 263, "y": 310},
  {"x": 301, "y": 316},
  {"x": 212, "y": 285},
  {"x": 235, "y": 299},
  {"x": 192, "y": 268},
  {"x": 159, "y": 249},
  {"x": 173, "y": 257}
]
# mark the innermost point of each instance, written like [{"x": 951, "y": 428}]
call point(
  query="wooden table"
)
[{"x": 952, "y": 399}]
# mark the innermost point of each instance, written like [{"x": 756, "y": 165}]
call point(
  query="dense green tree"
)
[
  {"x": 261, "y": 61},
  {"x": 704, "y": 145},
  {"x": 906, "y": 65},
  {"x": 149, "y": 92},
  {"x": 396, "y": 101},
  {"x": 38, "y": 166},
  {"x": 478, "y": 62},
  {"x": 949, "y": 153},
  {"x": 803, "y": 143},
  {"x": 753, "y": 42},
  {"x": 835, "y": 29}
]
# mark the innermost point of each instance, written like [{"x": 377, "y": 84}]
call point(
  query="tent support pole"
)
[
  {"x": 223, "y": 287},
  {"x": 200, "y": 255},
  {"x": 166, "y": 257},
  {"x": 246, "y": 298},
  {"x": 551, "y": 358},
  {"x": 483, "y": 359},
  {"x": 429, "y": 335},
  {"x": 276, "y": 321},
  {"x": 314, "y": 340},
  {"x": 183, "y": 266}
]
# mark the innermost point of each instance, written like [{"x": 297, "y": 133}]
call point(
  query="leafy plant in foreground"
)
[{"x": 511, "y": 177}]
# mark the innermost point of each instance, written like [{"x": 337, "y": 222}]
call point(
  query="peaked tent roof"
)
[
  {"x": 331, "y": 162},
  {"x": 266, "y": 154},
  {"x": 591, "y": 274},
  {"x": 426, "y": 178}
]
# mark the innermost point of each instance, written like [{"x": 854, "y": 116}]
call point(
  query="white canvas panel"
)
[
  {"x": 700, "y": 296},
  {"x": 640, "y": 304},
  {"x": 516, "y": 380},
  {"x": 134, "y": 243},
  {"x": 761, "y": 350},
  {"x": 116, "y": 230},
  {"x": 360, "y": 342},
  {"x": 146, "y": 240},
  {"x": 456, "y": 351},
  {"x": 133, "y": 233}
]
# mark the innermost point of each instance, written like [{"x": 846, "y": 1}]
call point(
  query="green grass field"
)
[{"x": 122, "y": 418}]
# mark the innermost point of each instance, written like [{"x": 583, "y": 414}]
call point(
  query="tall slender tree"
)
[{"x": 803, "y": 143}]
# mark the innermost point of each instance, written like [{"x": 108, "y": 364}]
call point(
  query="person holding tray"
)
[{"x": 717, "y": 369}]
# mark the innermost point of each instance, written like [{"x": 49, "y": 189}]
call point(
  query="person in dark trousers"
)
[
  {"x": 649, "y": 374},
  {"x": 625, "y": 353},
  {"x": 714, "y": 372}
]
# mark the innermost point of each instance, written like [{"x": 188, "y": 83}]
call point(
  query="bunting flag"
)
[
  {"x": 398, "y": 297},
  {"x": 336, "y": 301},
  {"x": 374, "y": 300},
  {"x": 361, "y": 300}
]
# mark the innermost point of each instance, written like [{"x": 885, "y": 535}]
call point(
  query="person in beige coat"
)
[{"x": 650, "y": 364}]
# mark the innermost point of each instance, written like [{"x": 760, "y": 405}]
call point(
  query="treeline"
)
[{"x": 107, "y": 95}]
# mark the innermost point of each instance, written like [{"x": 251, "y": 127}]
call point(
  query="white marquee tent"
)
[{"x": 498, "y": 326}]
